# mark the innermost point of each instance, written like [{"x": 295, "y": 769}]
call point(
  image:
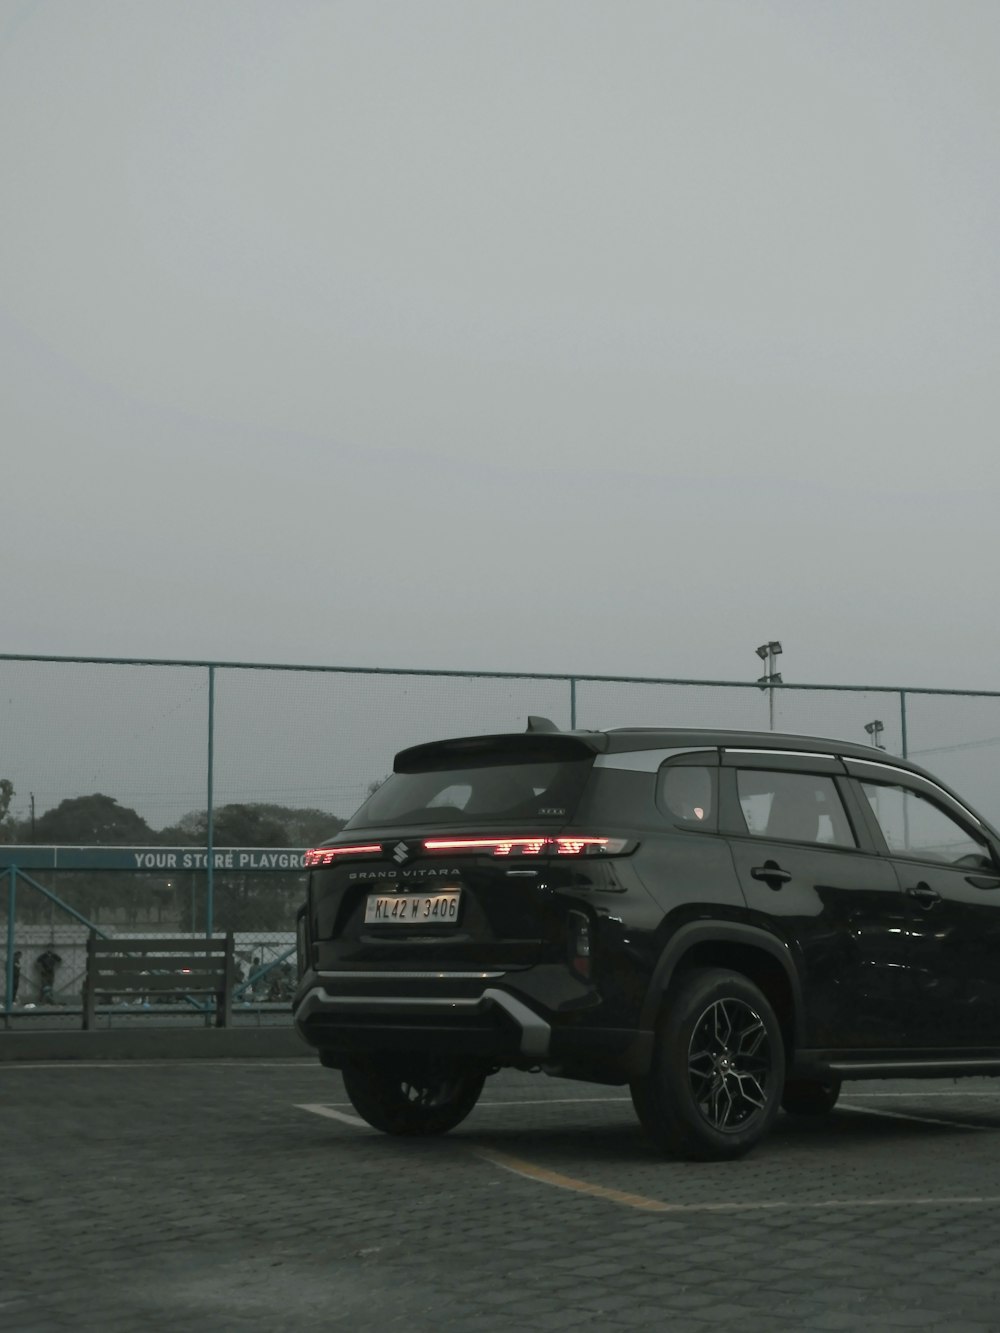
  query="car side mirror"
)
[
  {"x": 978, "y": 861},
  {"x": 984, "y": 881}
]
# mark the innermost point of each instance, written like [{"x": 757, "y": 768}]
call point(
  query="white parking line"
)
[
  {"x": 920, "y": 1119},
  {"x": 486, "y": 1105},
  {"x": 333, "y": 1112},
  {"x": 919, "y": 1096},
  {"x": 281, "y": 1062},
  {"x": 318, "y": 1108},
  {"x": 552, "y": 1101},
  {"x": 331, "y": 1107}
]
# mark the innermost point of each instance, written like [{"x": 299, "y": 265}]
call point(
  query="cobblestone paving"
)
[{"x": 202, "y": 1196}]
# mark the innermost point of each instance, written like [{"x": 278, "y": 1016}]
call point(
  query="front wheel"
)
[
  {"x": 412, "y": 1096},
  {"x": 718, "y": 1068}
]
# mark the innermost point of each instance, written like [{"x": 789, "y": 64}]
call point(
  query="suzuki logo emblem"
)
[{"x": 400, "y": 852}]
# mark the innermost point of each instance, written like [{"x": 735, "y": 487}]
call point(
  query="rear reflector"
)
[
  {"x": 578, "y": 935},
  {"x": 324, "y": 856}
]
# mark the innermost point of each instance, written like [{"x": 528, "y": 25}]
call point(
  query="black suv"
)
[{"x": 728, "y": 922}]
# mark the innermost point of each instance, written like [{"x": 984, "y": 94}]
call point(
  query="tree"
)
[
  {"x": 6, "y": 825},
  {"x": 304, "y": 826},
  {"x": 255, "y": 824},
  {"x": 92, "y": 820}
]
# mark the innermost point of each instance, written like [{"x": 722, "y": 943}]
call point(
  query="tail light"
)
[
  {"x": 564, "y": 845},
  {"x": 325, "y": 856}
]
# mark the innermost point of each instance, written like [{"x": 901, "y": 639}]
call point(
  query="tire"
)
[
  {"x": 718, "y": 1068},
  {"x": 414, "y": 1096},
  {"x": 811, "y": 1096}
]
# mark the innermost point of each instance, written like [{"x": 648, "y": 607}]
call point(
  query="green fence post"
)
[
  {"x": 902, "y": 720},
  {"x": 210, "y": 824},
  {"x": 8, "y": 1004},
  {"x": 572, "y": 703}
]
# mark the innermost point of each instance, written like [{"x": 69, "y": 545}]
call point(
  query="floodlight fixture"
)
[
  {"x": 767, "y": 652},
  {"x": 874, "y": 730}
]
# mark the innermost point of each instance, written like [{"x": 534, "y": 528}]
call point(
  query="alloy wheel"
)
[{"x": 729, "y": 1065}]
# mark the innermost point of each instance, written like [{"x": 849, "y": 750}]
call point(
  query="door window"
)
[
  {"x": 913, "y": 825},
  {"x": 796, "y": 807}
]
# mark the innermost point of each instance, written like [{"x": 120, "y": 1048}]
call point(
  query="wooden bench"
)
[{"x": 160, "y": 967}]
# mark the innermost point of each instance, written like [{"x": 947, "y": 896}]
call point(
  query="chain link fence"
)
[{"x": 214, "y": 778}]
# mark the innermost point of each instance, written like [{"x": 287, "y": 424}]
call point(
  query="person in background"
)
[
  {"x": 15, "y": 973},
  {"x": 47, "y": 963}
]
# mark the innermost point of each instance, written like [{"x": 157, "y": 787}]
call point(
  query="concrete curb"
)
[{"x": 155, "y": 1044}]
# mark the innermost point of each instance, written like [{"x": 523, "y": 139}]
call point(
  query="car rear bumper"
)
[
  {"x": 322, "y": 1015},
  {"x": 523, "y": 1019}
]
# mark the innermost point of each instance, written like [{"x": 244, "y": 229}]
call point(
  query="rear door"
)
[
  {"x": 810, "y": 874},
  {"x": 451, "y": 860}
]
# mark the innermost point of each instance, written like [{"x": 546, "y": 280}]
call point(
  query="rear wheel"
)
[
  {"x": 718, "y": 1068},
  {"x": 412, "y": 1096},
  {"x": 811, "y": 1096}
]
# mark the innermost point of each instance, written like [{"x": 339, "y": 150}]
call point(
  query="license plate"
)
[{"x": 413, "y": 909}]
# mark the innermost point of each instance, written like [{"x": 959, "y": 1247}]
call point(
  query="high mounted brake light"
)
[
  {"x": 530, "y": 846},
  {"x": 324, "y": 856}
]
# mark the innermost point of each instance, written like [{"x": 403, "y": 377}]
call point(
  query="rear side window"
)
[
  {"x": 478, "y": 793},
  {"x": 687, "y": 794},
  {"x": 793, "y": 807}
]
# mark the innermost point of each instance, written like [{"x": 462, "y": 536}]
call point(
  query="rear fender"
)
[{"x": 741, "y": 948}]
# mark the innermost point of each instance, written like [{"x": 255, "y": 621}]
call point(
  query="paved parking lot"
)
[{"x": 226, "y": 1195}]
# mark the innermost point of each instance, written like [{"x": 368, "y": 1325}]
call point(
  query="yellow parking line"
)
[
  {"x": 547, "y": 1177},
  {"x": 540, "y": 1173},
  {"x": 544, "y": 1176}
]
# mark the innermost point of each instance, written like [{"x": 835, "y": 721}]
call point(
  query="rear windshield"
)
[{"x": 477, "y": 793}]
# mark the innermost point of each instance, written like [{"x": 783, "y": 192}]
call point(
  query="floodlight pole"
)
[
  {"x": 8, "y": 1003},
  {"x": 768, "y": 652},
  {"x": 210, "y": 813}
]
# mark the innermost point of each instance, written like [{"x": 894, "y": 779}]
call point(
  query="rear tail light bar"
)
[
  {"x": 325, "y": 856},
  {"x": 531, "y": 846}
]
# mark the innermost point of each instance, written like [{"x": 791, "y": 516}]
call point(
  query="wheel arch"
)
[{"x": 761, "y": 957}]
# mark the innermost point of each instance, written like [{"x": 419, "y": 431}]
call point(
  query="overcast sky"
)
[{"x": 524, "y": 334}]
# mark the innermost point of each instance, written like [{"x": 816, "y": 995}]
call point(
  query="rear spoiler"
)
[{"x": 540, "y": 746}]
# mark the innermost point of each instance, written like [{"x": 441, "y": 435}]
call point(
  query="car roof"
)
[
  {"x": 543, "y": 735},
  {"x": 618, "y": 739}
]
